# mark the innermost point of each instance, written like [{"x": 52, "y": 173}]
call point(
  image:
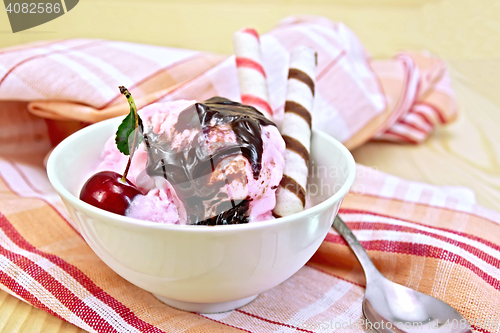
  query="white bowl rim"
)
[{"x": 115, "y": 218}]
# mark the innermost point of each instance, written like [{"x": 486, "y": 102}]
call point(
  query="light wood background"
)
[{"x": 464, "y": 32}]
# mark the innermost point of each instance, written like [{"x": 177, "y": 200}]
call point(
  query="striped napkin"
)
[
  {"x": 434, "y": 239},
  {"x": 75, "y": 82}
]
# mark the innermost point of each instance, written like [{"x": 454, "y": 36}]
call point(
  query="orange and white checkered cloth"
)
[{"x": 434, "y": 239}]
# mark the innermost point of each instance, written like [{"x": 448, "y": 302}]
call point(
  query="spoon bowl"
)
[{"x": 393, "y": 308}]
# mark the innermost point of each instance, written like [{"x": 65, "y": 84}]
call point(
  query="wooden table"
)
[{"x": 466, "y": 33}]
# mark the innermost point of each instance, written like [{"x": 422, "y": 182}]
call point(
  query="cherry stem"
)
[{"x": 133, "y": 108}]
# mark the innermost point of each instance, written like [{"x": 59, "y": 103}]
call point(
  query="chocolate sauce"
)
[{"x": 189, "y": 170}]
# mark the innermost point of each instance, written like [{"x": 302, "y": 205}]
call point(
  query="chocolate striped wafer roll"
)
[
  {"x": 296, "y": 131},
  {"x": 251, "y": 74}
]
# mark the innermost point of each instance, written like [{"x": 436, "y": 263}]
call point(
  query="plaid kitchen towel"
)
[
  {"x": 434, "y": 239},
  {"x": 357, "y": 99}
]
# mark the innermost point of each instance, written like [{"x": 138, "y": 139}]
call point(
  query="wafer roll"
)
[
  {"x": 251, "y": 74},
  {"x": 296, "y": 131}
]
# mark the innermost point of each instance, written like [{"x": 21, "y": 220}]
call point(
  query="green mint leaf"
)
[
  {"x": 123, "y": 133},
  {"x": 129, "y": 134}
]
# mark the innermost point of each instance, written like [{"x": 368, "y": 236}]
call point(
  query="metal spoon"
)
[{"x": 393, "y": 308}]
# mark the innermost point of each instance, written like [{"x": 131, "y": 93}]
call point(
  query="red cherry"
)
[{"x": 106, "y": 190}]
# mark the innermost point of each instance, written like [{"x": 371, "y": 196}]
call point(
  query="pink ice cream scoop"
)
[{"x": 215, "y": 162}]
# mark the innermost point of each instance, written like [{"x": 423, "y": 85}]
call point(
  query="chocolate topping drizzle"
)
[{"x": 189, "y": 170}]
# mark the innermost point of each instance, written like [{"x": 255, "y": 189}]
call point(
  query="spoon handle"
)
[{"x": 371, "y": 271}]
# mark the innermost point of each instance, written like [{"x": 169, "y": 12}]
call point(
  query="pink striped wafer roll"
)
[
  {"x": 251, "y": 74},
  {"x": 296, "y": 131}
]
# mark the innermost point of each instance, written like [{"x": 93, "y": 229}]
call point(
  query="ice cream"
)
[{"x": 214, "y": 162}]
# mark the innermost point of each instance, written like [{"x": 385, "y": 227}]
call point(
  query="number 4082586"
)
[{"x": 33, "y": 8}]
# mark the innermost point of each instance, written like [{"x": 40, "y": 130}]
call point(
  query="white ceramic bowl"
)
[{"x": 202, "y": 268}]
